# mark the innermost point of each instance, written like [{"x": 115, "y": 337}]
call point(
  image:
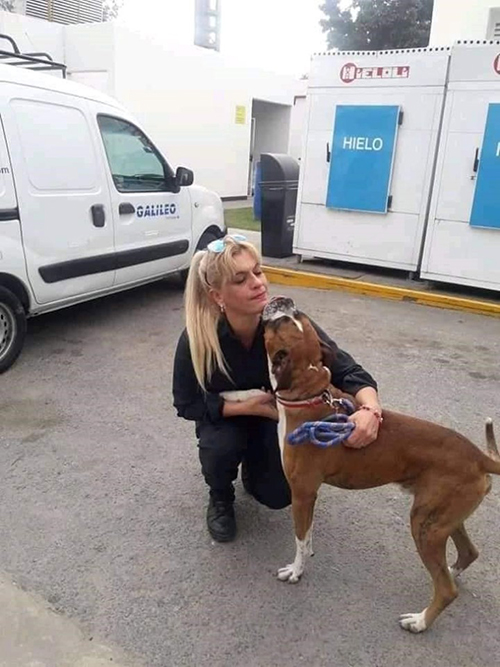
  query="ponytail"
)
[{"x": 202, "y": 319}]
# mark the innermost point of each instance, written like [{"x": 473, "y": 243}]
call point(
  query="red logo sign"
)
[
  {"x": 350, "y": 72},
  {"x": 496, "y": 64}
]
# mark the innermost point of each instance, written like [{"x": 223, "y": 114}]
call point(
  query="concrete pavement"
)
[
  {"x": 34, "y": 635},
  {"x": 54, "y": 629},
  {"x": 103, "y": 502}
]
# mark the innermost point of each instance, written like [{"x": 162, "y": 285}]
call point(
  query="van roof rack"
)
[{"x": 40, "y": 62}]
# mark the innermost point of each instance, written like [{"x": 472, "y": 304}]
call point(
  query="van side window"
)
[{"x": 135, "y": 163}]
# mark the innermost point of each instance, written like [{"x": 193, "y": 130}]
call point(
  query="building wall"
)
[
  {"x": 188, "y": 104},
  {"x": 90, "y": 55},
  {"x": 453, "y": 20},
  {"x": 33, "y": 35},
  {"x": 195, "y": 105},
  {"x": 188, "y": 99}
]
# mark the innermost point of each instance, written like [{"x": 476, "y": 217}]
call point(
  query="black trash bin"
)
[{"x": 279, "y": 185}]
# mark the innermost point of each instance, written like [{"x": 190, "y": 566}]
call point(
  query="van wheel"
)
[
  {"x": 205, "y": 239},
  {"x": 12, "y": 328}
]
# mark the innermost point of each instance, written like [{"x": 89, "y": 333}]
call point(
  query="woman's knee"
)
[
  {"x": 273, "y": 498},
  {"x": 278, "y": 504}
]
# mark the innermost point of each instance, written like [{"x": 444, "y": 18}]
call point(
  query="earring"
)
[{"x": 222, "y": 307}]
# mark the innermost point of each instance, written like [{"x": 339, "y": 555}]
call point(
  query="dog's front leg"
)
[{"x": 303, "y": 511}]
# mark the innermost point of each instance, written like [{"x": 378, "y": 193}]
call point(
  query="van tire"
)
[
  {"x": 12, "y": 328},
  {"x": 206, "y": 238}
]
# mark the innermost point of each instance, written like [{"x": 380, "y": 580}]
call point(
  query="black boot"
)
[{"x": 220, "y": 520}]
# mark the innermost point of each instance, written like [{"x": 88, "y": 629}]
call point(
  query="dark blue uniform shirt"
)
[{"x": 249, "y": 370}]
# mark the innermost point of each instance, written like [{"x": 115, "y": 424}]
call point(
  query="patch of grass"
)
[{"x": 241, "y": 218}]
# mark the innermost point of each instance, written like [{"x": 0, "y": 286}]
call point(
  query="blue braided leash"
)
[{"x": 330, "y": 432}]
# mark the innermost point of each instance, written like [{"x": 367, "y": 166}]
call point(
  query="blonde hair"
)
[{"x": 209, "y": 270}]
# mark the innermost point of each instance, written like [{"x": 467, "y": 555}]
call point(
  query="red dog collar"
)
[
  {"x": 325, "y": 398},
  {"x": 306, "y": 403}
]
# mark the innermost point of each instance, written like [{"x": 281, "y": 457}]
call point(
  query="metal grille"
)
[
  {"x": 66, "y": 11},
  {"x": 496, "y": 30},
  {"x": 37, "y": 8}
]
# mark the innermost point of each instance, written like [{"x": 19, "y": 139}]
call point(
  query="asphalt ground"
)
[{"x": 103, "y": 503}]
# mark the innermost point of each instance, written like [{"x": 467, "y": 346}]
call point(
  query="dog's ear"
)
[
  {"x": 281, "y": 367},
  {"x": 327, "y": 354}
]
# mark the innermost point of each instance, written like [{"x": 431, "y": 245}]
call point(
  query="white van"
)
[{"x": 88, "y": 205}]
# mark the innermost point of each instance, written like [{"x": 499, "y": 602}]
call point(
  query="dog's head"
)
[{"x": 299, "y": 359}]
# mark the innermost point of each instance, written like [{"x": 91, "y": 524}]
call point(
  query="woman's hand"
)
[
  {"x": 367, "y": 424},
  {"x": 263, "y": 405},
  {"x": 367, "y": 419}
]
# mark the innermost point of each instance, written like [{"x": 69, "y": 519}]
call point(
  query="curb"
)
[{"x": 319, "y": 281}]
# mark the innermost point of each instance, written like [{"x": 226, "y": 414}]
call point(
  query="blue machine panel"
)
[
  {"x": 364, "y": 139},
  {"x": 486, "y": 204}
]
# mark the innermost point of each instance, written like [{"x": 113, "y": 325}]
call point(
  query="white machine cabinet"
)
[
  {"x": 462, "y": 243},
  {"x": 370, "y": 148}
]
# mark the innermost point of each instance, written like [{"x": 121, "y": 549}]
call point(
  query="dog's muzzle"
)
[{"x": 279, "y": 306}]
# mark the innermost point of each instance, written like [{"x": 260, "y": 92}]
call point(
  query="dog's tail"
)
[{"x": 493, "y": 459}]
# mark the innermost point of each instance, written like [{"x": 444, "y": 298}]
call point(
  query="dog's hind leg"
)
[
  {"x": 431, "y": 535},
  {"x": 432, "y": 550},
  {"x": 472, "y": 494},
  {"x": 466, "y": 551},
  {"x": 433, "y": 520},
  {"x": 303, "y": 501}
]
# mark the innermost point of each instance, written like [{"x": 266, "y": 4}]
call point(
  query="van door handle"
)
[
  {"x": 126, "y": 209},
  {"x": 98, "y": 215}
]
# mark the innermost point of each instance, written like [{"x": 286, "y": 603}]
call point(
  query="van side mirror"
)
[{"x": 183, "y": 177}]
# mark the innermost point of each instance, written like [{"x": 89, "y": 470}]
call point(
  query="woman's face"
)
[{"x": 246, "y": 292}]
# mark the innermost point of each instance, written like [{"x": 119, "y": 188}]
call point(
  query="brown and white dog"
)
[{"x": 446, "y": 473}]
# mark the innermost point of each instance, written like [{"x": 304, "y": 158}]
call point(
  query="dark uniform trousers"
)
[{"x": 252, "y": 441}]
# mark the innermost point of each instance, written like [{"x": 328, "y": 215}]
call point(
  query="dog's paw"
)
[
  {"x": 289, "y": 573},
  {"x": 413, "y": 622}
]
